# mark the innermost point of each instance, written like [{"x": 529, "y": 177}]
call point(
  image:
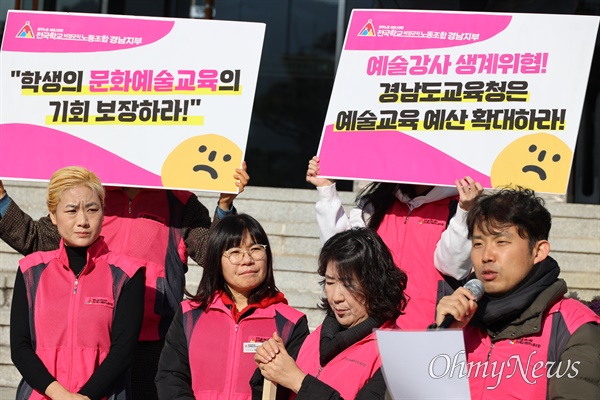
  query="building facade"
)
[{"x": 302, "y": 44}]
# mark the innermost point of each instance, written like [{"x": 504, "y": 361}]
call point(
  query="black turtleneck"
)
[{"x": 77, "y": 258}]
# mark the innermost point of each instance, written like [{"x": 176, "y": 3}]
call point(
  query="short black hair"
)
[
  {"x": 227, "y": 233},
  {"x": 519, "y": 207},
  {"x": 362, "y": 258}
]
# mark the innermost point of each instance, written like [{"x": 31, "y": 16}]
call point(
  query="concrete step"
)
[
  {"x": 577, "y": 262},
  {"x": 301, "y": 281},
  {"x": 575, "y": 245},
  {"x": 268, "y": 210},
  {"x": 300, "y": 263},
  {"x": 295, "y": 246},
  {"x": 307, "y": 229},
  {"x": 9, "y": 379},
  {"x": 9, "y": 391},
  {"x": 571, "y": 227},
  {"x": 277, "y": 195},
  {"x": 9, "y": 260},
  {"x": 305, "y": 302},
  {"x": 577, "y": 281},
  {"x": 570, "y": 210},
  {"x": 584, "y": 294},
  {"x": 31, "y": 196}
]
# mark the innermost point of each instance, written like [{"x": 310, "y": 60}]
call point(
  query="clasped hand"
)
[{"x": 277, "y": 365}]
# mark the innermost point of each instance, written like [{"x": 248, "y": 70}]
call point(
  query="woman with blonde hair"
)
[{"x": 77, "y": 311}]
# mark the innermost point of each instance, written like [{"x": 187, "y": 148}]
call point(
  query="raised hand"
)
[
  {"x": 312, "y": 174},
  {"x": 468, "y": 191}
]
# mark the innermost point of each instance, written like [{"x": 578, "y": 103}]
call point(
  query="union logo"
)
[
  {"x": 26, "y": 32},
  {"x": 368, "y": 29}
]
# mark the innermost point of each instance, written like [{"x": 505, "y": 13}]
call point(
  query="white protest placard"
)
[
  {"x": 430, "y": 96},
  {"x": 421, "y": 365},
  {"x": 141, "y": 101}
]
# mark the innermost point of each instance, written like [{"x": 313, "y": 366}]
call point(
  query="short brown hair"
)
[{"x": 519, "y": 207}]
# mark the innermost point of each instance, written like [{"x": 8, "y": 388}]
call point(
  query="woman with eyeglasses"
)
[{"x": 209, "y": 348}]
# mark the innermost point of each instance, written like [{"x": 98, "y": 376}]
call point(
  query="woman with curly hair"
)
[
  {"x": 364, "y": 290},
  {"x": 423, "y": 226}
]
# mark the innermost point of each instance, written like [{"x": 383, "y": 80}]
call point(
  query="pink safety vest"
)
[
  {"x": 412, "y": 239},
  {"x": 518, "y": 369},
  {"x": 71, "y": 323},
  {"x": 347, "y": 372},
  {"x": 221, "y": 352},
  {"x": 149, "y": 228}
]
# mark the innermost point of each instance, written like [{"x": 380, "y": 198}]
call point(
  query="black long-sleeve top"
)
[{"x": 126, "y": 326}]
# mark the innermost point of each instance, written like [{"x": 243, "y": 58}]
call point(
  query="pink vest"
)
[
  {"x": 347, "y": 372},
  {"x": 71, "y": 319},
  {"x": 149, "y": 228},
  {"x": 518, "y": 369},
  {"x": 412, "y": 239},
  {"x": 221, "y": 352}
]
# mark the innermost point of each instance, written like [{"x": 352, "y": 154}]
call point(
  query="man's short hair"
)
[{"x": 518, "y": 207}]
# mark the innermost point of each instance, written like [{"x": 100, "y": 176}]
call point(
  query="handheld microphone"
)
[{"x": 475, "y": 286}]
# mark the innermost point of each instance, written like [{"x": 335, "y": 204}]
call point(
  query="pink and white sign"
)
[
  {"x": 151, "y": 102},
  {"x": 429, "y": 97}
]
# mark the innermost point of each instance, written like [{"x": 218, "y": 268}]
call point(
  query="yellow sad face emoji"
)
[
  {"x": 540, "y": 162},
  {"x": 203, "y": 162}
]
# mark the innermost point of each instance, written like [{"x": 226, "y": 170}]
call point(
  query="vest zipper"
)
[
  {"x": 76, "y": 284},
  {"x": 235, "y": 362},
  {"x": 318, "y": 373},
  {"x": 410, "y": 210},
  {"x": 73, "y": 310},
  {"x": 233, "y": 346},
  {"x": 129, "y": 206},
  {"x": 490, "y": 352}
]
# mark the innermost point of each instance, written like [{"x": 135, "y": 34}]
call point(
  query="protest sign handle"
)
[{"x": 269, "y": 390}]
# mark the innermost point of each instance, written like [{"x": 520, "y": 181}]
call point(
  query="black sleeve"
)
[
  {"x": 292, "y": 346},
  {"x": 22, "y": 353},
  {"x": 24, "y": 234},
  {"x": 126, "y": 327},
  {"x": 374, "y": 389},
  {"x": 314, "y": 389},
  {"x": 297, "y": 337},
  {"x": 174, "y": 378}
]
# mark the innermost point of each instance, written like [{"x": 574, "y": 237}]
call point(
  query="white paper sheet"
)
[{"x": 424, "y": 365}]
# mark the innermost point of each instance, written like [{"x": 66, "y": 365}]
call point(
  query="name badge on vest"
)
[
  {"x": 254, "y": 343},
  {"x": 99, "y": 301}
]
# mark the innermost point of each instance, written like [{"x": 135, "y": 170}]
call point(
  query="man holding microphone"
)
[{"x": 523, "y": 339}]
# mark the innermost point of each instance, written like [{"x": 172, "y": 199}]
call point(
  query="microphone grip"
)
[
  {"x": 475, "y": 286},
  {"x": 448, "y": 320}
]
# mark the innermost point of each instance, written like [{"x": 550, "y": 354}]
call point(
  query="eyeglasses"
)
[{"x": 257, "y": 252}]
